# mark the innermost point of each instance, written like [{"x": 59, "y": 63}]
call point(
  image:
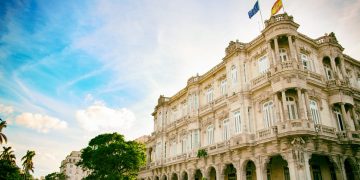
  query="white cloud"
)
[
  {"x": 6, "y": 109},
  {"x": 98, "y": 117},
  {"x": 41, "y": 123}
]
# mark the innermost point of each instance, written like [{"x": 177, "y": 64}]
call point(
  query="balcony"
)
[
  {"x": 267, "y": 133},
  {"x": 260, "y": 80},
  {"x": 336, "y": 83},
  {"x": 297, "y": 126},
  {"x": 314, "y": 76}
]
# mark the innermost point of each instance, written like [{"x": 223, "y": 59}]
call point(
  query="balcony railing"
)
[{"x": 260, "y": 79}]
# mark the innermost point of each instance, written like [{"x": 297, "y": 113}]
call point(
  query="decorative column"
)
[
  {"x": 300, "y": 104},
  {"x": 297, "y": 49},
  {"x": 291, "y": 47},
  {"x": 269, "y": 54},
  {"x": 292, "y": 167},
  {"x": 260, "y": 169},
  {"x": 219, "y": 174},
  {"x": 356, "y": 121},
  {"x": 346, "y": 118},
  {"x": 333, "y": 67},
  {"x": 307, "y": 105},
  {"x": 307, "y": 157},
  {"x": 277, "y": 56},
  {"x": 239, "y": 172},
  {"x": 278, "y": 107},
  {"x": 285, "y": 111},
  {"x": 191, "y": 174},
  {"x": 343, "y": 71}
]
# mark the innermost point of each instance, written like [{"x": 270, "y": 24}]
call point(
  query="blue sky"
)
[{"x": 70, "y": 70}]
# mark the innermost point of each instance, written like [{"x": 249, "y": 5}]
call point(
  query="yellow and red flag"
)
[{"x": 276, "y": 7}]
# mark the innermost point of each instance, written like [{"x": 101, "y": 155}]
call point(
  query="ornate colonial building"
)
[
  {"x": 283, "y": 106},
  {"x": 70, "y": 169}
]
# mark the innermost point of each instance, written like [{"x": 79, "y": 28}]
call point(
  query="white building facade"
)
[
  {"x": 283, "y": 106},
  {"x": 70, "y": 169}
]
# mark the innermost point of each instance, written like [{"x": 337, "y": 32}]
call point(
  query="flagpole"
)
[
  {"x": 262, "y": 21},
  {"x": 283, "y": 7}
]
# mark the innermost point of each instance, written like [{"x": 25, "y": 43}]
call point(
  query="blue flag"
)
[{"x": 254, "y": 10}]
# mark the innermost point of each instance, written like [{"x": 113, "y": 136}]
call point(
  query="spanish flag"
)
[{"x": 276, "y": 7}]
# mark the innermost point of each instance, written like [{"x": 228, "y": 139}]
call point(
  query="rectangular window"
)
[
  {"x": 223, "y": 87},
  {"x": 210, "y": 135},
  {"x": 233, "y": 74},
  {"x": 237, "y": 120},
  {"x": 209, "y": 95},
  {"x": 196, "y": 101},
  {"x": 268, "y": 114},
  {"x": 183, "y": 145},
  {"x": 196, "y": 140},
  {"x": 263, "y": 64},
  {"x": 226, "y": 130}
]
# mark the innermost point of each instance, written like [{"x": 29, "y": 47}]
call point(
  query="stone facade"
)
[
  {"x": 283, "y": 106},
  {"x": 70, "y": 169}
]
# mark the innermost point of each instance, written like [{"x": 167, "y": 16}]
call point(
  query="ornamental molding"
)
[{"x": 298, "y": 147}]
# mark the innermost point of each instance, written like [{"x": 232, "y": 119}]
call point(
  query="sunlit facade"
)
[
  {"x": 283, "y": 106},
  {"x": 70, "y": 169}
]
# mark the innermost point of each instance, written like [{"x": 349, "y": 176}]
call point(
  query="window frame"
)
[
  {"x": 237, "y": 122},
  {"x": 315, "y": 112},
  {"x": 292, "y": 108},
  {"x": 283, "y": 53},
  {"x": 268, "y": 114},
  {"x": 210, "y": 134}
]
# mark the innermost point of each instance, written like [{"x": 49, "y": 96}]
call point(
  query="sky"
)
[{"x": 70, "y": 70}]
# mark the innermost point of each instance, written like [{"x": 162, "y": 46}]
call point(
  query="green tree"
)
[
  {"x": 28, "y": 164},
  {"x": 8, "y": 155},
  {"x": 2, "y": 135},
  {"x": 9, "y": 170},
  {"x": 109, "y": 156},
  {"x": 55, "y": 176},
  {"x": 8, "y": 167}
]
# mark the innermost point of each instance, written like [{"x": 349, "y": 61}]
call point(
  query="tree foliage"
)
[
  {"x": 55, "y": 176},
  {"x": 109, "y": 156},
  {"x": 28, "y": 164},
  {"x": 8, "y": 167},
  {"x": 3, "y": 138}
]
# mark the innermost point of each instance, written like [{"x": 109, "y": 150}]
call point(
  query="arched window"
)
[
  {"x": 283, "y": 55},
  {"x": 237, "y": 120},
  {"x": 328, "y": 72},
  {"x": 233, "y": 74},
  {"x": 315, "y": 114},
  {"x": 268, "y": 113},
  {"x": 291, "y": 107},
  {"x": 339, "y": 119},
  {"x": 226, "y": 130},
  {"x": 210, "y": 134}
]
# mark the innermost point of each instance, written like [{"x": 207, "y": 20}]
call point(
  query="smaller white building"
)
[{"x": 70, "y": 169}]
